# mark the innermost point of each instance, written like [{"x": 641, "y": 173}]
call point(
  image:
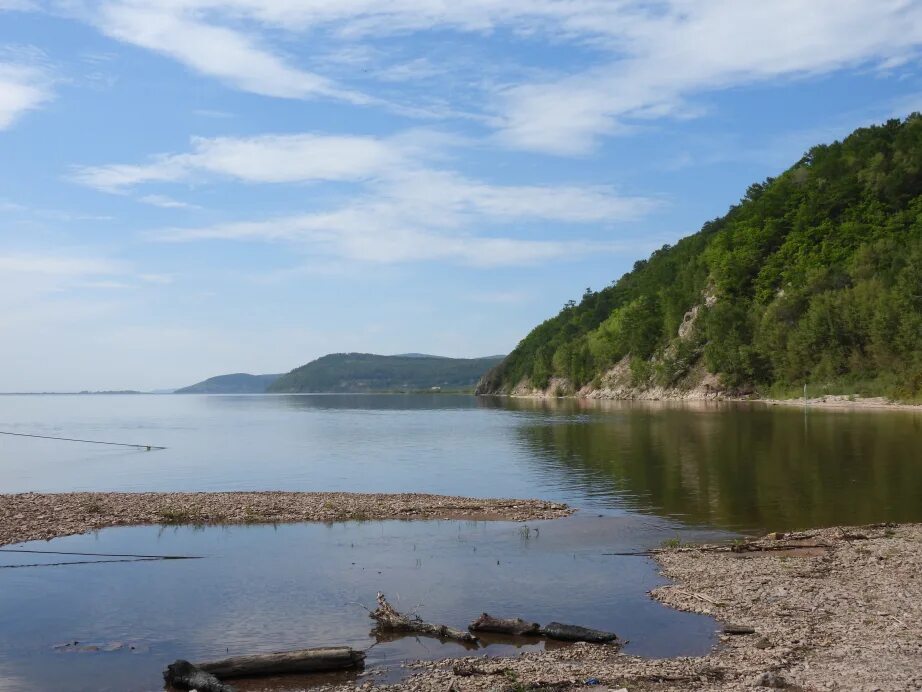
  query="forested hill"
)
[
  {"x": 366, "y": 372},
  {"x": 236, "y": 383},
  {"x": 815, "y": 276}
]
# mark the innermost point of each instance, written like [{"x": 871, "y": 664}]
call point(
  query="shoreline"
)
[
  {"x": 43, "y": 516},
  {"x": 835, "y": 608},
  {"x": 832, "y": 608},
  {"x": 830, "y": 401}
]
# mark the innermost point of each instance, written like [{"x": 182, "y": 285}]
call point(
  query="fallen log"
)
[
  {"x": 285, "y": 662},
  {"x": 517, "y": 626},
  {"x": 738, "y": 629},
  {"x": 575, "y": 633},
  {"x": 389, "y": 619},
  {"x": 183, "y": 675}
]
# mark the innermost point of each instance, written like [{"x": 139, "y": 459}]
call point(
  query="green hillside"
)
[
  {"x": 815, "y": 276},
  {"x": 236, "y": 383},
  {"x": 366, "y": 372}
]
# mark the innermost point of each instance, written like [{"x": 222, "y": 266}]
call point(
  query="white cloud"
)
[
  {"x": 61, "y": 266},
  {"x": 395, "y": 168},
  {"x": 165, "y": 202},
  {"x": 429, "y": 216},
  {"x": 358, "y": 235},
  {"x": 160, "y": 279},
  {"x": 213, "y": 50},
  {"x": 22, "y": 88},
  {"x": 645, "y": 59},
  {"x": 22, "y": 5},
  {"x": 405, "y": 209},
  {"x": 264, "y": 159},
  {"x": 666, "y": 54}
]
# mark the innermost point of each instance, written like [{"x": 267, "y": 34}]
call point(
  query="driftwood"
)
[
  {"x": 284, "y": 662},
  {"x": 206, "y": 677},
  {"x": 389, "y": 619},
  {"x": 575, "y": 633},
  {"x": 761, "y": 548},
  {"x": 185, "y": 676},
  {"x": 738, "y": 629},
  {"x": 518, "y": 626}
]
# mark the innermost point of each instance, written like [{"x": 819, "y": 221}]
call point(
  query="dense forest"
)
[
  {"x": 814, "y": 277},
  {"x": 366, "y": 372}
]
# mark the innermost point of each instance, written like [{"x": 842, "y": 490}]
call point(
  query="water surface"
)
[
  {"x": 639, "y": 473},
  {"x": 265, "y": 588},
  {"x": 741, "y": 467}
]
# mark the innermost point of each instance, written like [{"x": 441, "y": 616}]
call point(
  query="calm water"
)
[{"x": 640, "y": 473}]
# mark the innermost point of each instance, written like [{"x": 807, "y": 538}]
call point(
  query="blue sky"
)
[{"x": 193, "y": 187}]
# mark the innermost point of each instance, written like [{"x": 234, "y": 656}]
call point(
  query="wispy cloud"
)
[
  {"x": 264, "y": 159},
  {"x": 57, "y": 265},
  {"x": 405, "y": 209},
  {"x": 667, "y": 53},
  {"x": 212, "y": 49},
  {"x": 436, "y": 216},
  {"x": 648, "y": 59},
  {"x": 23, "y": 88},
  {"x": 165, "y": 202},
  {"x": 359, "y": 236}
]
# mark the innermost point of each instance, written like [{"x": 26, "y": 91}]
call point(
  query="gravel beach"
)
[
  {"x": 36, "y": 516},
  {"x": 831, "y": 609}
]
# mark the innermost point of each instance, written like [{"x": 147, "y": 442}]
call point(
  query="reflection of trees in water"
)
[{"x": 736, "y": 467}]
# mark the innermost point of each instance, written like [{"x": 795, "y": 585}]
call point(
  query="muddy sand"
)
[{"x": 36, "y": 516}]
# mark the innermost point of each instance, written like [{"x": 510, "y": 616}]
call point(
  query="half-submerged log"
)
[
  {"x": 575, "y": 633},
  {"x": 389, "y": 619},
  {"x": 185, "y": 676},
  {"x": 516, "y": 626},
  {"x": 286, "y": 662}
]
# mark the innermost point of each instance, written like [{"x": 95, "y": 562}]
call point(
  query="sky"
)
[{"x": 196, "y": 187}]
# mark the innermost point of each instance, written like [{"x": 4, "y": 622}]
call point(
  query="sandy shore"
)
[
  {"x": 34, "y": 516},
  {"x": 832, "y": 609}
]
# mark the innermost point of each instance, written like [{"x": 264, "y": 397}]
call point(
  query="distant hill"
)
[
  {"x": 367, "y": 372},
  {"x": 814, "y": 277},
  {"x": 237, "y": 383}
]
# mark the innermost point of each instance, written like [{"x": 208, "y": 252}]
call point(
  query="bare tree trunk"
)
[
  {"x": 206, "y": 677},
  {"x": 389, "y": 619},
  {"x": 280, "y": 663}
]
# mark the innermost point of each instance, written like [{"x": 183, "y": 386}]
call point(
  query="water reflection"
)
[
  {"x": 264, "y": 588},
  {"x": 731, "y": 466},
  {"x": 737, "y": 466}
]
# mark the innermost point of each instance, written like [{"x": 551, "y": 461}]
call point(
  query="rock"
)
[{"x": 771, "y": 679}]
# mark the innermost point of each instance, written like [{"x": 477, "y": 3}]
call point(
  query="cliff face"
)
[
  {"x": 815, "y": 276},
  {"x": 619, "y": 381}
]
